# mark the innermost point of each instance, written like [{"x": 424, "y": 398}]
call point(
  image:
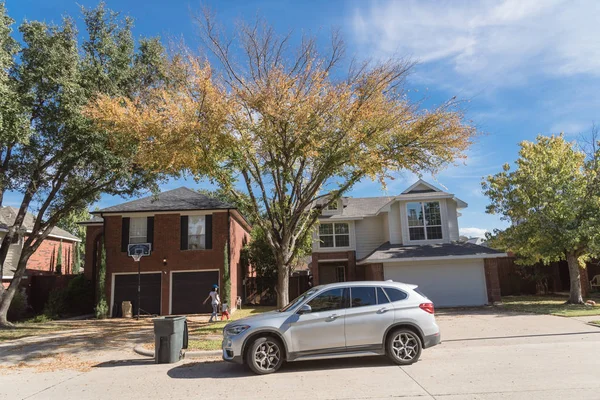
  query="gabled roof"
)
[
  {"x": 180, "y": 199},
  {"x": 9, "y": 214},
  {"x": 396, "y": 252},
  {"x": 421, "y": 186}
]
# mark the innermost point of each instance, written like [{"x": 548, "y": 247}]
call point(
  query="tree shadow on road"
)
[
  {"x": 126, "y": 363},
  {"x": 223, "y": 370}
]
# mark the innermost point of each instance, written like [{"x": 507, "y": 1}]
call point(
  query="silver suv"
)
[{"x": 347, "y": 319}]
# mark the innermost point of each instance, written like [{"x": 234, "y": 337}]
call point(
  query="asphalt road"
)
[{"x": 484, "y": 356}]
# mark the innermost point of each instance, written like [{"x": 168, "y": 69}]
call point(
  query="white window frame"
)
[
  {"x": 202, "y": 235},
  {"x": 144, "y": 234},
  {"x": 333, "y": 235},
  {"x": 425, "y": 225},
  {"x": 333, "y": 206}
]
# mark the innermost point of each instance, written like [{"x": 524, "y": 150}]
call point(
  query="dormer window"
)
[
  {"x": 424, "y": 220},
  {"x": 332, "y": 206}
]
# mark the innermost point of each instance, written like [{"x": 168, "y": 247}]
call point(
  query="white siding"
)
[
  {"x": 369, "y": 235},
  {"x": 452, "y": 220},
  {"x": 12, "y": 259},
  {"x": 386, "y": 226},
  {"x": 395, "y": 224}
]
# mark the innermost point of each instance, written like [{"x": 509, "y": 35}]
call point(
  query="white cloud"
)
[
  {"x": 511, "y": 42},
  {"x": 473, "y": 232},
  {"x": 571, "y": 128}
]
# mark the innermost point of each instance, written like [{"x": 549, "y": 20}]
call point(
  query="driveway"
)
[{"x": 484, "y": 356}]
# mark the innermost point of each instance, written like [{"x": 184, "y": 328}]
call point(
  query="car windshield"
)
[{"x": 300, "y": 299}]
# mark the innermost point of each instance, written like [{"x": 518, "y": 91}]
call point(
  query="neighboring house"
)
[
  {"x": 188, "y": 232},
  {"x": 43, "y": 261},
  {"x": 412, "y": 238},
  {"x": 478, "y": 241}
]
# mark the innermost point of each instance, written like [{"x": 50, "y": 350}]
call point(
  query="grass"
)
[
  {"x": 216, "y": 328},
  {"x": 550, "y": 304},
  {"x": 204, "y": 344},
  {"x": 30, "y": 328}
]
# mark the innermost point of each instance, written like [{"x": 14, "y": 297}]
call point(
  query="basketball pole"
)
[{"x": 139, "y": 286}]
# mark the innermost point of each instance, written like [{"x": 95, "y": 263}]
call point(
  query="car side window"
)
[
  {"x": 395, "y": 294},
  {"x": 363, "y": 296},
  {"x": 329, "y": 300},
  {"x": 381, "y": 297}
]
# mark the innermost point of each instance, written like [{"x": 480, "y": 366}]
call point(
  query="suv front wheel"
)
[
  {"x": 265, "y": 355},
  {"x": 403, "y": 346}
]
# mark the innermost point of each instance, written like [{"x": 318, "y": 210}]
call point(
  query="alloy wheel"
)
[
  {"x": 267, "y": 356},
  {"x": 405, "y": 346}
]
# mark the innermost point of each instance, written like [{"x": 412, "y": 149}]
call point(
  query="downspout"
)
[{"x": 229, "y": 255}]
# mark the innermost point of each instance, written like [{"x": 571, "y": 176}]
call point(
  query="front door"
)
[
  {"x": 368, "y": 317},
  {"x": 323, "y": 328},
  {"x": 332, "y": 274}
]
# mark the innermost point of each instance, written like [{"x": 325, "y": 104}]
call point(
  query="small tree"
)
[
  {"x": 101, "y": 305},
  {"x": 59, "y": 259},
  {"x": 292, "y": 124},
  {"x": 76, "y": 259},
  {"x": 552, "y": 200},
  {"x": 226, "y": 290}
]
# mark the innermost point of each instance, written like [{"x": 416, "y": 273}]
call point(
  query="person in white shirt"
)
[{"x": 214, "y": 301}]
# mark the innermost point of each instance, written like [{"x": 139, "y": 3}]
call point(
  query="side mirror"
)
[{"x": 305, "y": 309}]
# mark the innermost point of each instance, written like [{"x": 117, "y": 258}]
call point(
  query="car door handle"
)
[
  {"x": 382, "y": 310},
  {"x": 332, "y": 317}
]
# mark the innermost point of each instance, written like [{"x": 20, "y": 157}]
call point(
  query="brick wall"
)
[
  {"x": 239, "y": 237},
  {"x": 91, "y": 235},
  {"x": 45, "y": 257},
  {"x": 492, "y": 281},
  {"x": 374, "y": 272},
  {"x": 167, "y": 246},
  {"x": 351, "y": 273}
]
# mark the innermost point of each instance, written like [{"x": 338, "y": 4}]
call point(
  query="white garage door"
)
[{"x": 446, "y": 283}]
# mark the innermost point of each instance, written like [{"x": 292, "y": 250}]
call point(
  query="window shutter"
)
[
  {"x": 150, "y": 231},
  {"x": 208, "y": 236},
  {"x": 184, "y": 232},
  {"x": 124, "y": 234}
]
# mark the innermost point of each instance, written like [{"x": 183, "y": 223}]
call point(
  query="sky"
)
[{"x": 522, "y": 67}]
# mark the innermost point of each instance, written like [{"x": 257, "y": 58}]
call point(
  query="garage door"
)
[
  {"x": 190, "y": 289},
  {"x": 447, "y": 284},
  {"x": 126, "y": 290}
]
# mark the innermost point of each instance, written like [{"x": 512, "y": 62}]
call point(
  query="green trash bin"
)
[{"x": 170, "y": 335}]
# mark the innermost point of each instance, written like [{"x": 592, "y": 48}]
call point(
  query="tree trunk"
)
[
  {"x": 283, "y": 285},
  {"x": 7, "y": 295},
  {"x": 575, "y": 292}
]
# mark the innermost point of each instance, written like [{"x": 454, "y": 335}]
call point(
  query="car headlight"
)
[{"x": 236, "y": 330}]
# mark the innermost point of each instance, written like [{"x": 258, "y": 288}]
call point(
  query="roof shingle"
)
[
  {"x": 173, "y": 200},
  {"x": 9, "y": 214},
  {"x": 390, "y": 252}
]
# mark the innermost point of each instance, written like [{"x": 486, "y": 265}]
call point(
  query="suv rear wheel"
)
[
  {"x": 265, "y": 355},
  {"x": 403, "y": 346}
]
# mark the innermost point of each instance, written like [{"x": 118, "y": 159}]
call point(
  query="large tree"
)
[
  {"x": 552, "y": 200},
  {"x": 67, "y": 161},
  {"x": 296, "y": 127}
]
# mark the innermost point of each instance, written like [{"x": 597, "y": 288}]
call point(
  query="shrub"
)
[
  {"x": 56, "y": 306},
  {"x": 18, "y": 307},
  {"x": 101, "y": 309},
  {"x": 79, "y": 296}
]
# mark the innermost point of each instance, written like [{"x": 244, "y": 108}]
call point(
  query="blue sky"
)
[{"x": 524, "y": 67}]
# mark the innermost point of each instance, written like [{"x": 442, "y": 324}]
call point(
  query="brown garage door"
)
[
  {"x": 126, "y": 290},
  {"x": 190, "y": 289}
]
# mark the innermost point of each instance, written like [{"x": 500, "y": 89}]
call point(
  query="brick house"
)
[
  {"x": 188, "y": 232},
  {"x": 43, "y": 261},
  {"x": 413, "y": 238}
]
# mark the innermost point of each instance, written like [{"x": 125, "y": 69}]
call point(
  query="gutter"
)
[{"x": 439, "y": 258}]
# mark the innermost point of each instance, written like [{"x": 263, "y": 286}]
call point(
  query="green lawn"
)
[
  {"x": 216, "y": 328},
  {"x": 551, "y": 304},
  {"x": 26, "y": 329},
  {"x": 204, "y": 344}
]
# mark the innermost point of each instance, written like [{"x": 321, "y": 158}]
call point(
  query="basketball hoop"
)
[
  {"x": 137, "y": 251},
  {"x": 136, "y": 257}
]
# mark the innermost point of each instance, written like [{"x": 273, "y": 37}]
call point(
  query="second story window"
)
[
  {"x": 424, "y": 220},
  {"x": 138, "y": 230},
  {"x": 196, "y": 232},
  {"x": 334, "y": 235}
]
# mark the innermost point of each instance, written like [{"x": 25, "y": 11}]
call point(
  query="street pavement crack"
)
[
  {"x": 51, "y": 386},
  {"x": 415, "y": 381}
]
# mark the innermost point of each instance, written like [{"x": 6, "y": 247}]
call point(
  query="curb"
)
[{"x": 195, "y": 354}]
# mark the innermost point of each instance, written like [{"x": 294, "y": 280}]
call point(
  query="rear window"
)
[
  {"x": 395, "y": 294},
  {"x": 381, "y": 297},
  {"x": 421, "y": 293}
]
